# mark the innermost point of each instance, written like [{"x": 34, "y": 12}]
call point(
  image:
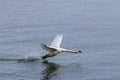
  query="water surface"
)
[{"x": 90, "y": 25}]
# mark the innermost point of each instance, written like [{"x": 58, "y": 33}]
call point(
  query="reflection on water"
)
[{"x": 50, "y": 70}]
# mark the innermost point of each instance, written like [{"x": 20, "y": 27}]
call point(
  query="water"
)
[{"x": 90, "y": 25}]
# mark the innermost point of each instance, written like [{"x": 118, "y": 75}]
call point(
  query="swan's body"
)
[{"x": 55, "y": 49}]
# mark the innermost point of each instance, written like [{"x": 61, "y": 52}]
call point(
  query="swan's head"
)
[{"x": 79, "y": 51}]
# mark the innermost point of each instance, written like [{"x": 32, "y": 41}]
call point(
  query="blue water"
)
[{"x": 92, "y": 26}]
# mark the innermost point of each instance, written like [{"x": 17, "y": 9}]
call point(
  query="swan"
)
[{"x": 55, "y": 49}]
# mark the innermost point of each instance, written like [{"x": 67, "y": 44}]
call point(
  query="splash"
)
[{"x": 29, "y": 57}]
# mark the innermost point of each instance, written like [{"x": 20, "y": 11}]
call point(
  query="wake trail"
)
[{"x": 20, "y": 59}]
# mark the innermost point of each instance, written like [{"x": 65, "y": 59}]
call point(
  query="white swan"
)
[{"x": 55, "y": 49}]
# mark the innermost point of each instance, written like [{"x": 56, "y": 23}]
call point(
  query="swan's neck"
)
[{"x": 71, "y": 51}]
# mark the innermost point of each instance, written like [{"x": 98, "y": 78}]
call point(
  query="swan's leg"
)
[
  {"x": 49, "y": 55},
  {"x": 43, "y": 57}
]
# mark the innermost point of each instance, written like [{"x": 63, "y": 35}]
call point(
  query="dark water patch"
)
[
  {"x": 71, "y": 71},
  {"x": 50, "y": 70}
]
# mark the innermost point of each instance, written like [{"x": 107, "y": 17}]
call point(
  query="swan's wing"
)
[
  {"x": 57, "y": 41},
  {"x": 44, "y": 46}
]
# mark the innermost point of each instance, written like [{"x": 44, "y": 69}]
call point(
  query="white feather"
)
[{"x": 57, "y": 41}]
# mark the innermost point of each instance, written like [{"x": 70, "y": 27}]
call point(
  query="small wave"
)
[{"x": 7, "y": 59}]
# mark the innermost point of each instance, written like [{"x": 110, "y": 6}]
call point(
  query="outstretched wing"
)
[
  {"x": 44, "y": 46},
  {"x": 57, "y": 41}
]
